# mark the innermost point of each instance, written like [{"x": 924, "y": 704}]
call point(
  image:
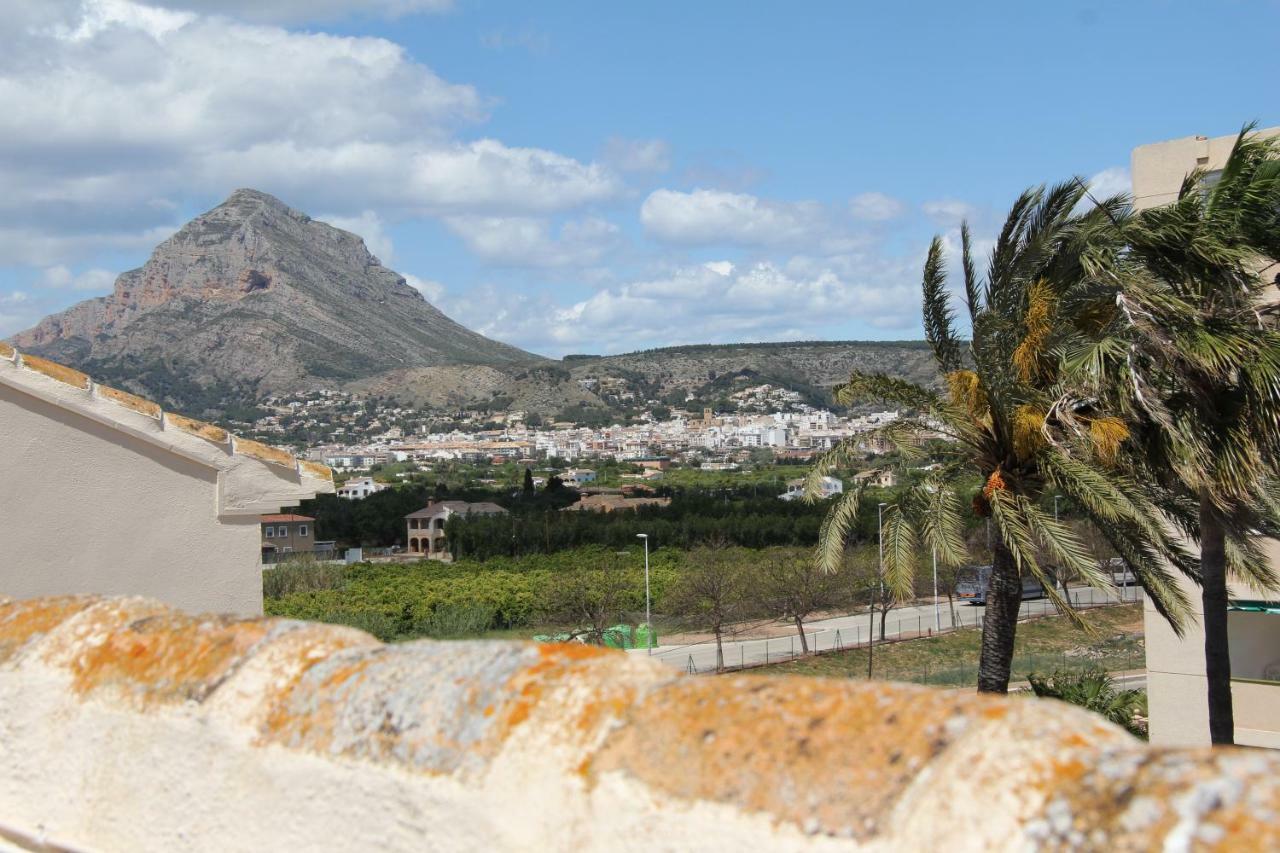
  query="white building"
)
[
  {"x": 1177, "y": 690},
  {"x": 831, "y": 486},
  {"x": 578, "y": 476},
  {"x": 104, "y": 492},
  {"x": 360, "y": 488}
]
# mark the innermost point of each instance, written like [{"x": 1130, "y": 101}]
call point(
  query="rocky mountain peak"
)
[{"x": 255, "y": 293}]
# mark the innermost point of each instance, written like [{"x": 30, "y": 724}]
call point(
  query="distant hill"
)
[{"x": 254, "y": 298}]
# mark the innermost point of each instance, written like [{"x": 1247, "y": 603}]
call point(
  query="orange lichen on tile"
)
[
  {"x": 163, "y": 657},
  {"x": 130, "y": 401},
  {"x": 830, "y": 754},
  {"x": 556, "y": 661},
  {"x": 265, "y": 452},
  {"x": 315, "y": 469},
  {"x": 209, "y": 432},
  {"x": 53, "y": 370},
  {"x": 24, "y": 621},
  {"x": 6, "y": 351}
]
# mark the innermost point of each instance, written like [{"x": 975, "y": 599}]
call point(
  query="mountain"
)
[{"x": 254, "y": 298}]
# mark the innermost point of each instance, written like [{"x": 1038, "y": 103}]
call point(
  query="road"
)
[{"x": 850, "y": 631}]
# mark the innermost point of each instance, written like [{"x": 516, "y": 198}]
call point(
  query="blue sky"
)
[{"x": 591, "y": 177}]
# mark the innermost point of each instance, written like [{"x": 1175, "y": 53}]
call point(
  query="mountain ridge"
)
[{"x": 254, "y": 297}]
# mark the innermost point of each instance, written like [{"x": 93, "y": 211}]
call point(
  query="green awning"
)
[{"x": 1255, "y": 606}]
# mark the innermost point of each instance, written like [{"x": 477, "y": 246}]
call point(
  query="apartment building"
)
[
  {"x": 1176, "y": 687},
  {"x": 163, "y": 505}
]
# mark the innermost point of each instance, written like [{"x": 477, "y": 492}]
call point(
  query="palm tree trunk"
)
[
  {"x": 1217, "y": 649},
  {"x": 1000, "y": 622}
]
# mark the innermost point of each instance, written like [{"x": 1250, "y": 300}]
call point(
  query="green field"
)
[{"x": 1043, "y": 645}]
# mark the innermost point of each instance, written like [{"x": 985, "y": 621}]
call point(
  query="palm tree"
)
[
  {"x": 1187, "y": 353},
  {"x": 1016, "y": 427}
]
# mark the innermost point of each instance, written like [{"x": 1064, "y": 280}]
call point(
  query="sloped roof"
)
[
  {"x": 284, "y": 516},
  {"x": 258, "y": 476},
  {"x": 458, "y": 507}
]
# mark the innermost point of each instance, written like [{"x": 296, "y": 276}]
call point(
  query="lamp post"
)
[
  {"x": 937, "y": 617},
  {"x": 1056, "y": 498},
  {"x": 648, "y": 626}
]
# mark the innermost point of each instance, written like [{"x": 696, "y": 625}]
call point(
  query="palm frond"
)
[
  {"x": 834, "y": 532},
  {"x": 939, "y": 319}
]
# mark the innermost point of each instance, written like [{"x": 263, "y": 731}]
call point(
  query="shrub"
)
[
  {"x": 1095, "y": 690},
  {"x": 300, "y": 575}
]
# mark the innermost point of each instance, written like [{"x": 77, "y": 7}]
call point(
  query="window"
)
[
  {"x": 271, "y": 532},
  {"x": 302, "y": 530},
  {"x": 282, "y": 532}
]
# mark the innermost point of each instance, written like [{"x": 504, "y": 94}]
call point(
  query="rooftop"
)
[
  {"x": 206, "y": 443},
  {"x": 268, "y": 732}
]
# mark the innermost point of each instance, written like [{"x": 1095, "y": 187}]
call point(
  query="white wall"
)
[{"x": 85, "y": 508}]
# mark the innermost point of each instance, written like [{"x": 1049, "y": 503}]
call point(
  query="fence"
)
[{"x": 908, "y": 623}]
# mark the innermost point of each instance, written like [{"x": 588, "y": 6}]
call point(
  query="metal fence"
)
[{"x": 855, "y": 629}]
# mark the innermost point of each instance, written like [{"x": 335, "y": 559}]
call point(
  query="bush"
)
[
  {"x": 300, "y": 575},
  {"x": 452, "y": 621},
  {"x": 1095, "y": 690}
]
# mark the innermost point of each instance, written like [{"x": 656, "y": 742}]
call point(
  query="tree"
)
[
  {"x": 793, "y": 585},
  {"x": 593, "y": 597},
  {"x": 1188, "y": 354},
  {"x": 714, "y": 590},
  {"x": 1017, "y": 427},
  {"x": 528, "y": 482}
]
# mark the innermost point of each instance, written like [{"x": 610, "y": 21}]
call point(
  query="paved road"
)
[{"x": 849, "y": 631}]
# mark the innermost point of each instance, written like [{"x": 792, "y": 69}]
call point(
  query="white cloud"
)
[
  {"x": 637, "y": 155},
  {"x": 115, "y": 112},
  {"x": 949, "y": 211},
  {"x": 875, "y": 207},
  {"x": 712, "y": 302},
  {"x": 306, "y": 10},
  {"x": 61, "y": 278},
  {"x": 1109, "y": 182},
  {"x": 714, "y": 217},
  {"x": 367, "y": 226},
  {"x": 432, "y": 291},
  {"x": 531, "y": 242}
]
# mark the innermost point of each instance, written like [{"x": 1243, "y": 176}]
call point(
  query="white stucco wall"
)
[
  {"x": 103, "y": 492},
  {"x": 87, "y": 509}
]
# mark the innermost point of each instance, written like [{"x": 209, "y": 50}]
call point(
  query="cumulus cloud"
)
[
  {"x": 432, "y": 291},
  {"x": 1109, "y": 182},
  {"x": 531, "y": 242},
  {"x": 875, "y": 207},
  {"x": 717, "y": 301},
  {"x": 61, "y": 278},
  {"x": 368, "y": 226},
  {"x": 715, "y": 217},
  {"x": 306, "y": 10},
  {"x": 949, "y": 211},
  {"x": 637, "y": 155},
  {"x": 116, "y": 113}
]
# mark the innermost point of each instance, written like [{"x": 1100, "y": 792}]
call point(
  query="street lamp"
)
[{"x": 648, "y": 626}]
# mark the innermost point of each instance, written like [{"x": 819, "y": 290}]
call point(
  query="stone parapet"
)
[{"x": 125, "y": 725}]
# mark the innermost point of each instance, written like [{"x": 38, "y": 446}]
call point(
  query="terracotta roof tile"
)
[
  {"x": 208, "y": 432},
  {"x": 265, "y": 452},
  {"x": 130, "y": 401},
  {"x": 53, "y": 370}
]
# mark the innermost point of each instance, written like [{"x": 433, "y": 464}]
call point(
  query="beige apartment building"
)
[
  {"x": 425, "y": 528},
  {"x": 104, "y": 492},
  {"x": 1176, "y": 687}
]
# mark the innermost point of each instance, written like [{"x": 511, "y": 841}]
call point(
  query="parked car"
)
[{"x": 972, "y": 583}]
